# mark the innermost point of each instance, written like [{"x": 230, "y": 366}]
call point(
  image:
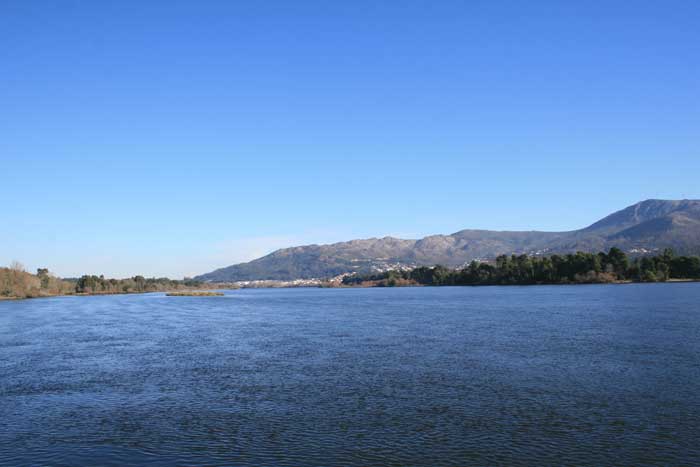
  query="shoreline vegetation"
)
[
  {"x": 580, "y": 268},
  {"x": 613, "y": 267},
  {"x": 16, "y": 283}
]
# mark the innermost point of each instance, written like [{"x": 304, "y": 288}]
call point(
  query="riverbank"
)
[
  {"x": 580, "y": 268},
  {"x": 385, "y": 283},
  {"x": 357, "y": 285},
  {"x": 194, "y": 294},
  {"x": 82, "y": 294},
  {"x": 18, "y": 284}
]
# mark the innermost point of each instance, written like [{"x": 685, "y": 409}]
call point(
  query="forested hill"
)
[{"x": 646, "y": 227}]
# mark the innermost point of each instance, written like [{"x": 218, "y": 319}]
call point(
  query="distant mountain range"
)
[{"x": 644, "y": 227}]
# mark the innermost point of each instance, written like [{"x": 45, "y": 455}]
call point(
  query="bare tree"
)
[{"x": 17, "y": 266}]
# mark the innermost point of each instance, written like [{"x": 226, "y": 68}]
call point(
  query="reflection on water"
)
[{"x": 581, "y": 375}]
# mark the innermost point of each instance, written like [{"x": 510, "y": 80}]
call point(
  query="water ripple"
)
[{"x": 598, "y": 375}]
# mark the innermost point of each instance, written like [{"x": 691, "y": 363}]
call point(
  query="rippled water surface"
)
[{"x": 581, "y": 375}]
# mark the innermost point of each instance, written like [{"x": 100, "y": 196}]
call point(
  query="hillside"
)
[{"x": 647, "y": 226}]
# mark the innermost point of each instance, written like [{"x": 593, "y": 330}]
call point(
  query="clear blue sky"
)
[{"x": 173, "y": 137}]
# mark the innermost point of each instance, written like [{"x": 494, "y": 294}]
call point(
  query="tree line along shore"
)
[
  {"x": 579, "y": 268},
  {"x": 16, "y": 283}
]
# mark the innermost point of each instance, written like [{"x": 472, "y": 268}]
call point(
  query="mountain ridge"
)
[{"x": 647, "y": 226}]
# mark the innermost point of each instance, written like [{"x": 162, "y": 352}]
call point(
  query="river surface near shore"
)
[{"x": 448, "y": 376}]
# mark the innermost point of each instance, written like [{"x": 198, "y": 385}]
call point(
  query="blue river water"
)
[{"x": 451, "y": 376}]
